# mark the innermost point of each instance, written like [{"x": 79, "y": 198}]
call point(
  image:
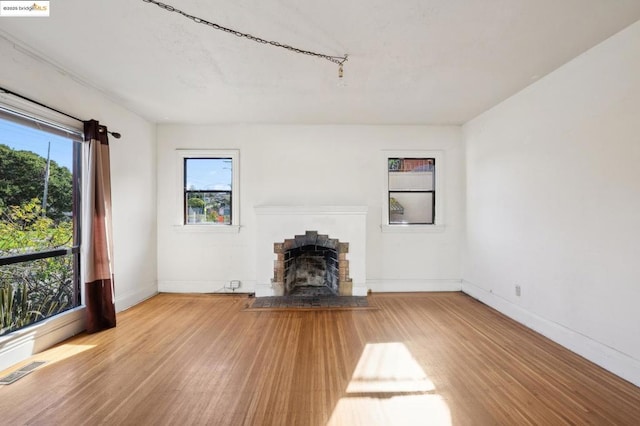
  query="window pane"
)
[
  {"x": 208, "y": 183},
  {"x": 37, "y": 213},
  {"x": 208, "y": 174},
  {"x": 36, "y": 189},
  {"x": 208, "y": 207},
  {"x": 411, "y": 207},
  {"x": 411, "y": 174},
  {"x": 407, "y": 165},
  {"x": 35, "y": 290}
]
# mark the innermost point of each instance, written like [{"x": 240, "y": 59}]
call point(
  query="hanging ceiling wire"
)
[{"x": 339, "y": 60}]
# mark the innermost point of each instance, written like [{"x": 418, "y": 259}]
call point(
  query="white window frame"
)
[
  {"x": 439, "y": 219},
  {"x": 234, "y": 155}
]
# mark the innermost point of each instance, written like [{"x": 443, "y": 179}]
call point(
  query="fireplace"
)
[
  {"x": 319, "y": 229},
  {"x": 310, "y": 265}
]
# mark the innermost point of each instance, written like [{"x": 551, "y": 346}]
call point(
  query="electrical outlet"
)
[
  {"x": 518, "y": 291},
  {"x": 233, "y": 284}
]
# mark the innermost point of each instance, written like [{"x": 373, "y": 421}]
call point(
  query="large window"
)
[
  {"x": 209, "y": 186},
  {"x": 39, "y": 219}
]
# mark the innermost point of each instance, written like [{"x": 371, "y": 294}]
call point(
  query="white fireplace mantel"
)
[{"x": 277, "y": 223}]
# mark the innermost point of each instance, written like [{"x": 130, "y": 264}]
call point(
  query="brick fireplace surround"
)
[
  {"x": 315, "y": 254},
  {"x": 319, "y": 229}
]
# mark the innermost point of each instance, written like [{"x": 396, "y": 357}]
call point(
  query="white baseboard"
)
[
  {"x": 606, "y": 357},
  {"x": 130, "y": 299},
  {"x": 212, "y": 286},
  {"x": 426, "y": 285},
  {"x": 264, "y": 290},
  {"x": 359, "y": 290},
  {"x": 21, "y": 344}
]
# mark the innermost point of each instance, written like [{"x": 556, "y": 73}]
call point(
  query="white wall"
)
[
  {"x": 133, "y": 172},
  {"x": 289, "y": 165},
  {"x": 553, "y": 201}
]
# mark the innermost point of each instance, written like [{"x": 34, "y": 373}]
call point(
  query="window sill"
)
[
  {"x": 209, "y": 228},
  {"x": 412, "y": 229}
]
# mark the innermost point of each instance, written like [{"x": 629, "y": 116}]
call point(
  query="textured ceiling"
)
[{"x": 410, "y": 61}]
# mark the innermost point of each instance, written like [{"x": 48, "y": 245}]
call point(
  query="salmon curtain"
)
[{"x": 99, "y": 294}]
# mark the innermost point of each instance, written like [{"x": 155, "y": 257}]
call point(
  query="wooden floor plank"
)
[{"x": 203, "y": 359}]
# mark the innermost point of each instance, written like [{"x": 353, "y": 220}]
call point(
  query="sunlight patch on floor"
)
[
  {"x": 388, "y": 367},
  {"x": 57, "y": 354},
  {"x": 389, "y": 387},
  {"x": 403, "y": 410},
  {"x": 62, "y": 352}
]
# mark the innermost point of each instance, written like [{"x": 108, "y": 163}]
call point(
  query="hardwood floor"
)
[{"x": 421, "y": 358}]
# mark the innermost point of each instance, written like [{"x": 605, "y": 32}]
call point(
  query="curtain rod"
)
[{"x": 9, "y": 92}]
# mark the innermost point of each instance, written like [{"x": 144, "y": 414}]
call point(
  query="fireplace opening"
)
[
  {"x": 312, "y": 265},
  {"x": 311, "y": 270}
]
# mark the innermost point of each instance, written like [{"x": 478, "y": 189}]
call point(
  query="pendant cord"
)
[{"x": 338, "y": 60}]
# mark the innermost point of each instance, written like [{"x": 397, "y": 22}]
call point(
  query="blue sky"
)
[
  {"x": 209, "y": 173},
  {"x": 202, "y": 173},
  {"x": 25, "y": 138}
]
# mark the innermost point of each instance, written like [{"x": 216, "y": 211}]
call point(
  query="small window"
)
[
  {"x": 411, "y": 191},
  {"x": 208, "y": 190}
]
